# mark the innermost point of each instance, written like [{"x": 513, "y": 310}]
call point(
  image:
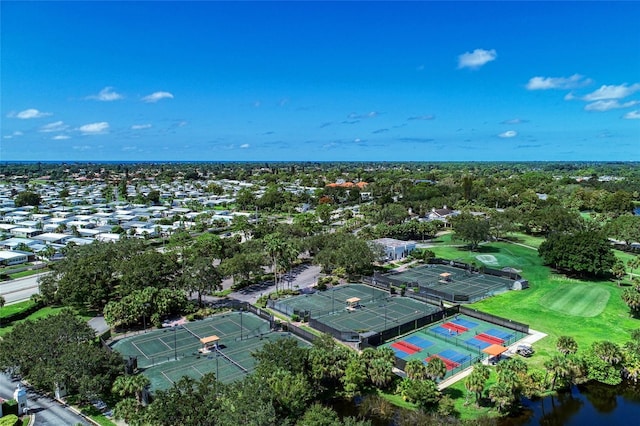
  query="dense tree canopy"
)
[
  {"x": 60, "y": 349},
  {"x": 472, "y": 229},
  {"x": 342, "y": 250},
  {"x": 584, "y": 253},
  {"x": 27, "y": 198}
]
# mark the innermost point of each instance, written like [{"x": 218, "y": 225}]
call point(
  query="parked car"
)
[{"x": 525, "y": 350}]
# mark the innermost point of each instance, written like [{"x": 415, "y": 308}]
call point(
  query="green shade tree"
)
[
  {"x": 585, "y": 253},
  {"x": 471, "y": 229},
  {"x": 27, "y": 198},
  {"x": 60, "y": 348}
]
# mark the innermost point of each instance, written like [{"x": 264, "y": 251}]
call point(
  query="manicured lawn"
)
[
  {"x": 525, "y": 239},
  {"x": 96, "y": 415},
  {"x": 588, "y": 311},
  {"x": 41, "y": 313},
  {"x": 582, "y": 300},
  {"x": 9, "y": 310},
  {"x": 27, "y": 273},
  {"x": 502, "y": 254},
  {"x": 625, "y": 257}
]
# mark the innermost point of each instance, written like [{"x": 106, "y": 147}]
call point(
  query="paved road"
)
[
  {"x": 47, "y": 411},
  {"x": 20, "y": 289}
]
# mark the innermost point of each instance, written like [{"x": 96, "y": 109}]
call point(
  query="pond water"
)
[{"x": 592, "y": 404}]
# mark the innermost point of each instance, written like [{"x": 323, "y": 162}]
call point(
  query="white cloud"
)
[
  {"x": 632, "y": 115},
  {"x": 106, "y": 95},
  {"x": 545, "y": 83},
  {"x": 94, "y": 128},
  {"x": 56, "y": 126},
  {"x": 422, "y": 117},
  {"x": 156, "y": 96},
  {"x": 612, "y": 92},
  {"x": 477, "y": 58},
  {"x": 608, "y": 104},
  {"x": 508, "y": 134},
  {"x": 515, "y": 121},
  {"x": 244, "y": 146},
  {"x": 140, "y": 126},
  {"x": 29, "y": 113},
  {"x": 81, "y": 147},
  {"x": 61, "y": 137},
  {"x": 13, "y": 135}
]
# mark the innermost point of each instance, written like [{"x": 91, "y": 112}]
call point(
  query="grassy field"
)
[
  {"x": 26, "y": 273},
  {"x": 556, "y": 305},
  {"x": 41, "y": 313},
  {"x": 588, "y": 311},
  {"x": 9, "y": 310}
]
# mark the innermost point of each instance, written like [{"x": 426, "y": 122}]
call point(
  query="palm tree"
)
[
  {"x": 436, "y": 369},
  {"x": 415, "y": 369},
  {"x": 131, "y": 385},
  {"x": 380, "y": 372},
  {"x": 631, "y": 297},
  {"x": 618, "y": 270},
  {"x": 566, "y": 345},
  {"x": 501, "y": 395},
  {"x": 274, "y": 246},
  {"x": 607, "y": 351},
  {"x": 128, "y": 409},
  {"x": 633, "y": 264},
  {"x": 559, "y": 367},
  {"x": 477, "y": 380},
  {"x": 512, "y": 367}
]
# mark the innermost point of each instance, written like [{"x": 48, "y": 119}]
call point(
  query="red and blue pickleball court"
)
[{"x": 458, "y": 341}]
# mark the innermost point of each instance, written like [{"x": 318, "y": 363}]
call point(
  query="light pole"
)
[
  {"x": 144, "y": 317},
  {"x": 175, "y": 346},
  {"x": 217, "y": 372}
]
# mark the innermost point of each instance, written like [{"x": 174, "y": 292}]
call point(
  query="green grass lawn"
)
[
  {"x": 40, "y": 313},
  {"x": 9, "y": 310},
  {"x": 27, "y": 273},
  {"x": 586, "y": 310},
  {"x": 529, "y": 240},
  {"x": 581, "y": 300}
]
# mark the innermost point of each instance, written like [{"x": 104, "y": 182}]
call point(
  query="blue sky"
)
[{"x": 310, "y": 81}]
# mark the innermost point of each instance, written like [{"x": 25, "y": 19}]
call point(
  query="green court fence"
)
[
  {"x": 493, "y": 319},
  {"x": 344, "y": 335},
  {"x": 382, "y": 284},
  {"x": 300, "y": 332},
  {"x": 453, "y": 295}
]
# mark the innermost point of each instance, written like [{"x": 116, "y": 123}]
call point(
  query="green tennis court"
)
[
  {"x": 374, "y": 310},
  {"x": 378, "y": 316},
  {"x": 450, "y": 282},
  {"x": 330, "y": 301},
  {"x": 168, "y": 354}
]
